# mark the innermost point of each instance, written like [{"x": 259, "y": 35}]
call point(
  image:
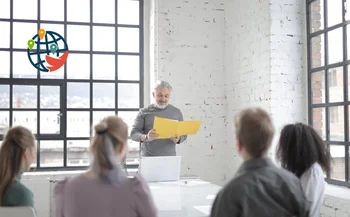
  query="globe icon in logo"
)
[{"x": 47, "y": 51}]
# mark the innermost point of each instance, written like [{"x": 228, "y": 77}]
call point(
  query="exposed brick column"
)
[{"x": 317, "y": 82}]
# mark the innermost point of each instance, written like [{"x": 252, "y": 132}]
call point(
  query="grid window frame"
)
[
  {"x": 40, "y": 81},
  {"x": 325, "y": 105}
]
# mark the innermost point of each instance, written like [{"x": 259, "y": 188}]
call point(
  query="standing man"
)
[{"x": 142, "y": 130}]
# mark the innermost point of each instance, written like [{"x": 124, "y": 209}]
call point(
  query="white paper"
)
[
  {"x": 210, "y": 197},
  {"x": 204, "y": 209}
]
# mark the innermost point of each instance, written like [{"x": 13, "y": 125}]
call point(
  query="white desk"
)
[{"x": 184, "y": 198}]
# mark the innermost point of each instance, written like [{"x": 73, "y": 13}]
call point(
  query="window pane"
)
[
  {"x": 319, "y": 121},
  {"x": 5, "y": 9},
  {"x": 49, "y": 97},
  {"x": 78, "y": 124},
  {"x": 78, "y": 11},
  {"x": 104, "y": 11},
  {"x": 48, "y": 11},
  {"x": 78, "y": 43},
  {"x": 103, "y": 66},
  {"x": 104, "y": 95},
  {"x": 99, "y": 115},
  {"x": 103, "y": 38},
  {"x": 335, "y": 46},
  {"x": 58, "y": 74},
  {"x": 5, "y": 64},
  {"x": 335, "y": 83},
  {"x": 316, "y": 15},
  {"x": 22, "y": 68},
  {"x": 334, "y": 12},
  {"x": 128, "y": 96},
  {"x": 317, "y": 51},
  {"x": 24, "y": 96},
  {"x": 336, "y": 123},
  {"x": 128, "y": 117},
  {"x": 25, "y": 9},
  {"x": 78, "y": 95},
  {"x": 23, "y": 32},
  {"x": 4, "y": 122},
  {"x": 57, "y": 28},
  {"x": 348, "y": 39},
  {"x": 128, "y": 67},
  {"x": 318, "y": 87},
  {"x": 78, "y": 66},
  {"x": 5, "y": 34},
  {"x": 128, "y": 40},
  {"x": 347, "y": 13},
  {"x": 51, "y": 153},
  {"x": 25, "y": 118},
  {"x": 4, "y": 96},
  {"x": 128, "y": 12},
  {"x": 50, "y": 122},
  {"x": 338, "y": 162},
  {"x": 78, "y": 153}
]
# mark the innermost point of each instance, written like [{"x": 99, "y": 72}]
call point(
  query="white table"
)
[{"x": 184, "y": 198}]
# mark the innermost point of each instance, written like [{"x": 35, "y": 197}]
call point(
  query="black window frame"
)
[
  {"x": 325, "y": 68},
  {"x": 63, "y": 82}
]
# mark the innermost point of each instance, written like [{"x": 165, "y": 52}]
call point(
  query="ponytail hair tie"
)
[{"x": 101, "y": 132}]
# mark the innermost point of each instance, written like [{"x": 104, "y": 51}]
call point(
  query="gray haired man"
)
[{"x": 142, "y": 130}]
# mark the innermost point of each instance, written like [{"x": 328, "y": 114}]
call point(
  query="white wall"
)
[
  {"x": 247, "y": 63},
  {"x": 288, "y": 80},
  {"x": 264, "y": 62},
  {"x": 189, "y": 41}
]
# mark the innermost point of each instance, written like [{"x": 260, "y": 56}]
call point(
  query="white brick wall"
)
[
  {"x": 247, "y": 63},
  {"x": 189, "y": 52},
  {"x": 265, "y": 61},
  {"x": 288, "y": 81}
]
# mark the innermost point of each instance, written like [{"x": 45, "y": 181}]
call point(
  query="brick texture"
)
[{"x": 190, "y": 55}]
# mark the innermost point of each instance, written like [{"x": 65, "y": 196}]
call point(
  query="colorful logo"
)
[{"x": 47, "y": 51}]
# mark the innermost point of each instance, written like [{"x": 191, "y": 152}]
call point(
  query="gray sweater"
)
[{"x": 144, "y": 123}]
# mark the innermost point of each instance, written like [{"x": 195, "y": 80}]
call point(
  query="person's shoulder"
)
[
  {"x": 236, "y": 186},
  {"x": 285, "y": 175},
  {"x": 147, "y": 108},
  {"x": 19, "y": 189},
  {"x": 61, "y": 184},
  {"x": 138, "y": 184},
  {"x": 172, "y": 107},
  {"x": 314, "y": 173},
  {"x": 18, "y": 194}
]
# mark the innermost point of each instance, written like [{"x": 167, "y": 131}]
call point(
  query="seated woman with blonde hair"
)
[
  {"x": 104, "y": 190},
  {"x": 17, "y": 153}
]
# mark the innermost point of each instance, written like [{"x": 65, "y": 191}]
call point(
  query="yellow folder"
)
[{"x": 168, "y": 127}]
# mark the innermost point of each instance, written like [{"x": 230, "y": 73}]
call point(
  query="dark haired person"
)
[
  {"x": 259, "y": 189},
  {"x": 302, "y": 152}
]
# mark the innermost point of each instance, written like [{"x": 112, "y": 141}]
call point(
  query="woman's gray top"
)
[{"x": 84, "y": 196}]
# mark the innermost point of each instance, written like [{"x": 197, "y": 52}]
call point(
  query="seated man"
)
[{"x": 259, "y": 188}]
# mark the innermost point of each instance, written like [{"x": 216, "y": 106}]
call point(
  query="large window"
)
[
  {"x": 103, "y": 74},
  {"x": 328, "y": 80}
]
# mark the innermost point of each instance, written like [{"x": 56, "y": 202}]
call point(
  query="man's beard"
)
[{"x": 162, "y": 106}]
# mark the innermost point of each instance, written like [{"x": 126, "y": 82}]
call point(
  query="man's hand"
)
[
  {"x": 175, "y": 139},
  {"x": 152, "y": 135}
]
